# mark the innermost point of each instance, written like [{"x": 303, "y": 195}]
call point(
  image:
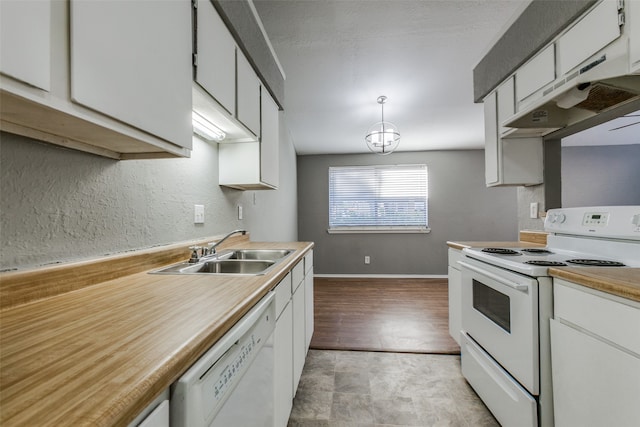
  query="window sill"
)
[{"x": 379, "y": 230}]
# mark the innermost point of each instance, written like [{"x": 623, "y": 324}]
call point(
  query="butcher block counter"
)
[
  {"x": 619, "y": 281},
  {"x": 98, "y": 352}
]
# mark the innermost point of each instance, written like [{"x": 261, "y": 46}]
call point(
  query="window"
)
[{"x": 391, "y": 198}]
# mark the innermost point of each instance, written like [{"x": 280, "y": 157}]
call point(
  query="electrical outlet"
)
[
  {"x": 367, "y": 259},
  {"x": 533, "y": 210},
  {"x": 239, "y": 211},
  {"x": 198, "y": 217}
]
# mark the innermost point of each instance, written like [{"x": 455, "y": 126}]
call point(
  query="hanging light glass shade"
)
[{"x": 383, "y": 137}]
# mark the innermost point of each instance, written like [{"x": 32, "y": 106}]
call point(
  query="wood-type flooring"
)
[{"x": 379, "y": 314}]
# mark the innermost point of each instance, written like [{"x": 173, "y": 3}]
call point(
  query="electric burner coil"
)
[{"x": 595, "y": 262}]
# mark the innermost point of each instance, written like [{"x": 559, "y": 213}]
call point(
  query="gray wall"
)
[
  {"x": 60, "y": 205},
  {"x": 601, "y": 175},
  {"x": 460, "y": 208}
]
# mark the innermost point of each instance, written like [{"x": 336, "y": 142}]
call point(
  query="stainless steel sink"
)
[
  {"x": 259, "y": 254},
  {"x": 234, "y": 267},
  {"x": 230, "y": 262}
]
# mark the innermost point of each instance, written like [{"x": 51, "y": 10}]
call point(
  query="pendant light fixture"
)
[{"x": 383, "y": 137}]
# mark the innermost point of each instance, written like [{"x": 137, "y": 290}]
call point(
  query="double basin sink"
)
[{"x": 251, "y": 262}]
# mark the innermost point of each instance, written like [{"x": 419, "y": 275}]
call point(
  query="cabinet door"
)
[
  {"x": 506, "y": 104},
  {"x": 590, "y": 34},
  {"x": 633, "y": 24},
  {"x": 455, "y": 303},
  {"x": 536, "y": 73},
  {"x": 216, "y": 67},
  {"x": 270, "y": 141},
  {"x": 25, "y": 41},
  {"x": 594, "y": 383},
  {"x": 491, "y": 153},
  {"x": 132, "y": 61},
  {"x": 308, "y": 307},
  {"x": 248, "y": 95},
  {"x": 299, "y": 342},
  {"x": 283, "y": 368}
]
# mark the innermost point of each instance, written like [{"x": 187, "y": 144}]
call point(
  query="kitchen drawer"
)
[
  {"x": 598, "y": 313},
  {"x": 505, "y": 398},
  {"x": 455, "y": 255},
  {"x": 308, "y": 262},
  {"x": 297, "y": 276},
  {"x": 283, "y": 294}
]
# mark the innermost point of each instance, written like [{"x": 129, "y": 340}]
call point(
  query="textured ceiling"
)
[{"x": 339, "y": 56}]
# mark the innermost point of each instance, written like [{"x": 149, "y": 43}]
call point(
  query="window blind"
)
[{"x": 388, "y": 197}]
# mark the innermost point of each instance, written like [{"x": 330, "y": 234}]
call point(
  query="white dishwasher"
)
[{"x": 231, "y": 385}]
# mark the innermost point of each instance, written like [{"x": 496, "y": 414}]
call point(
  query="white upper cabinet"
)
[
  {"x": 25, "y": 41},
  {"x": 506, "y": 104},
  {"x": 132, "y": 61},
  {"x": 248, "y": 95},
  {"x": 253, "y": 165},
  {"x": 270, "y": 142},
  {"x": 590, "y": 34},
  {"x": 216, "y": 57},
  {"x": 508, "y": 161},
  {"x": 111, "y": 78},
  {"x": 536, "y": 73},
  {"x": 633, "y": 26}
]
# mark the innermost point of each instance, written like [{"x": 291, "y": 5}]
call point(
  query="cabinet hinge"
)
[
  {"x": 620, "y": 4},
  {"x": 195, "y": 59},
  {"x": 621, "y": 19},
  {"x": 194, "y": 3}
]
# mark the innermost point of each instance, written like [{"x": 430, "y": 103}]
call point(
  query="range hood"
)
[{"x": 598, "y": 86}]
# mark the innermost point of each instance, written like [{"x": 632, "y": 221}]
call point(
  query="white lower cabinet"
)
[
  {"x": 299, "y": 328},
  {"x": 595, "y": 351},
  {"x": 156, "y": 414},
  {"x": 283, "y": 354},
  {"x": 294, "y": 328},
  {"x": 455, "y": 294}
]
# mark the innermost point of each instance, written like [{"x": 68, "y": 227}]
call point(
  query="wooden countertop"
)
[
  {"x": 99, "y": 354},
  {"x": 623, "y": 282}
]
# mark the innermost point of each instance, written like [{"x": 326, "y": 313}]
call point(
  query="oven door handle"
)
[{"x": 502, "y": 280}]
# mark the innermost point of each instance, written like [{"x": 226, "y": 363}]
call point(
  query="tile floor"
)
[{"x": 358, "y": 389}]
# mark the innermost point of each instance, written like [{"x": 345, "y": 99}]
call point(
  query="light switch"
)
[
  {"x": 533, "y": 210},
  {"x": 198, "y": 217}
]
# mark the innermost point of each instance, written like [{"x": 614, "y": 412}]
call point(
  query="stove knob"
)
[{"x": 561, "y": 218}]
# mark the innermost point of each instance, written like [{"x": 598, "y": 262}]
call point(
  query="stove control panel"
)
[
  {"x": 616, "y": 222},
  {"x": 595, "y": 219}
]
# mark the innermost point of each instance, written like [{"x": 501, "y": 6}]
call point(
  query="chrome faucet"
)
[{"x": 212, "y": 246}]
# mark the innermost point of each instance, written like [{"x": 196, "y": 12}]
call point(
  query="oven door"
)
[{"x": 500, "y": 312}]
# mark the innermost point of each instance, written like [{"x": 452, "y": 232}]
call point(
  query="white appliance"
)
[
  {"x": 231, "y": 385},
  {"x": 507, "y": 302}
]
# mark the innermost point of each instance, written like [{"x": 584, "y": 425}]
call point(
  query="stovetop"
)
[
  {"x": 579, "y": 237},
  {"x": 536, "y": 261}
]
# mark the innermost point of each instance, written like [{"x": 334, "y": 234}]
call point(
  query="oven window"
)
[{"x": 493, "y": 304}]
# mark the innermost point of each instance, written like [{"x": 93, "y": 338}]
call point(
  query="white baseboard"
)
[{"x": 385, "y": 276}]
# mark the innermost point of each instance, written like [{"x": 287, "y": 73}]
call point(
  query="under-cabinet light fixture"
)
[
  {"x": 383, "y": 137},
  {"x": 206, "y": 129}
]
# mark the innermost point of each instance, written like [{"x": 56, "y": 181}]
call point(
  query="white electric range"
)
[{"x": 507, "y": 301}]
